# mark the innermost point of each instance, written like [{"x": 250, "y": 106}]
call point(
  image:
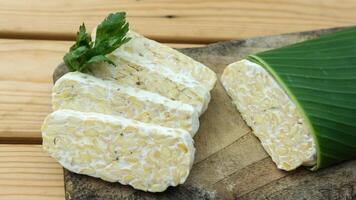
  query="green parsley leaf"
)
[{"x": 110, "y": 35}]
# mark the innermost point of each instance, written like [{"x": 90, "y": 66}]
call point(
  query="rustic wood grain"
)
[
  {"x": 191, "y": 21},
  {"x": 337, "y": 182},
  {"x": 27, "y": 172},
  {"x": 230, "y": 162},
  {"x": 25, "y": 85},
  {"x": 26, "y": 68}
]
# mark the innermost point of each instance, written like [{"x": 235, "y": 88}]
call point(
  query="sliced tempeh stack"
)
[
  {"x": 133, "y": 122},
  {"x": 83, "y": 92},
  {"x": 145, "y": 156}
]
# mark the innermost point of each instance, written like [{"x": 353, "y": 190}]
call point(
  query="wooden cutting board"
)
[{"x": 230, "y": 163}]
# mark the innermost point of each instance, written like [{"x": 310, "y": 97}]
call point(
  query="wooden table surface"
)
[{"x": 35, "y": 34}]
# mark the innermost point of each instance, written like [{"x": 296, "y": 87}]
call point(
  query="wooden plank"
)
[
  {"x": 27, "y": 172},
  {"x": 183, "y": 21},
  {"x": 25, "y": 86}
]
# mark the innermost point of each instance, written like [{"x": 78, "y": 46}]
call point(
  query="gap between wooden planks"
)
[
  {"x": 192, "y": 21},
  {"x": 27, "y": 172},
  {"x": 26, "y": 68}
]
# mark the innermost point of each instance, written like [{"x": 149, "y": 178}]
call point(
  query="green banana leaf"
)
[{"x": 319, "y": 76}]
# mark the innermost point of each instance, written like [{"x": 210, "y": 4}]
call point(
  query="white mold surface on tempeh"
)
[{"x": 149, "y": 52}]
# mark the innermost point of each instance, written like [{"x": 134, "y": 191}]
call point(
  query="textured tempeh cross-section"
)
[
  {"x": 145, "y": 156},
  {"x": 271, "y": 114}
]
